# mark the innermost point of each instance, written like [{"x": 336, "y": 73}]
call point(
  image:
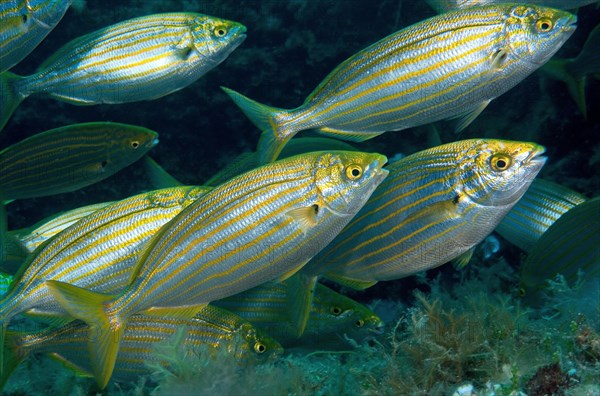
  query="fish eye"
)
[
  {"x": 353, "y": 172},
  {"x": 336, "y": 311},
  {"x": 544, "y": 25},
  {"x": 135, "y": 144},
  {"x": 260, "y": 348},
  {"x": 220, "y": 32},
  {"x": 500, "y": 162},
  {"x": 359, "y": 323}
]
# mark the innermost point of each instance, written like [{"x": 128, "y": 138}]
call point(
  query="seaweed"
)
[{"x": 548, "y": 380}]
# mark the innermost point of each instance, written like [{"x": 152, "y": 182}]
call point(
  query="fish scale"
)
[
  {"x": 34, "y": 236},
  {"x": 543, "y": 204},
  {"x": 260, "y": 226},
  {"x": 24, "y": 24},
  {"x": 332, "y": 315},
  {"x": 213, "y": 327},
  {"x": 143, "y": 51},
  {"x": 448, "y": 5},
  {"x": 451, "y": 65},
  {"x": 139, "y": 59},
  {"x": 97, "y": 252},
  {"x": 435, "y": 206},
  {"x": 68, "y": 158},
  {"x": 396, "y": 235}
]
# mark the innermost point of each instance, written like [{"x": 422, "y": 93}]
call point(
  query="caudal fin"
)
[
  {"x": 274, "y": 136},
  {"x": 105, "y": 331},
  {"x": 10, "y": 97}
]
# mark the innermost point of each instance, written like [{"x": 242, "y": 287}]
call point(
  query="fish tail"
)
[
  {"x": 10, "y": 97},
  {"x": 299, "y": 296},
  {"x": 274, "y": 134},
  {"x": 13, "y": 354},
  {"x": 559, "y": 69},
  {"x": 106, "y": 329}
]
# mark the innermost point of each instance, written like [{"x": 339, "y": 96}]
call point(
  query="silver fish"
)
[
  {"x": 139, "y": 59},
  {"x": 451, "y": 65}
]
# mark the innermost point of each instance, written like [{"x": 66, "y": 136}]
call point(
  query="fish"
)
[
  {"x": 19, "y": 244},
  {"x": 32, "y": 237},
  {"x": 332, "y": 316},
  {"x": 569, "y": 247},
  {"x": 249, "y": 160},
  {"x": 260, "y": 226},
  {"x": 543, "y": 204},
  {"x": 449, "y": 66},
  {"x": 24, "y": 24},
  {"x": 216, "y": 328},
  {"x": 575, "y": 71},
  {"x": 143, "y": 58},
  {"x": 435, "y": 205},
  {"x": 449, "y": 5},
  {"x": 245, "y": 161},
  {"x": 68, "y": 158},
  {"x": 98, "y": 252}
]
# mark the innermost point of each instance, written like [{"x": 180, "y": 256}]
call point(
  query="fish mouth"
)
[
  {"x": 536, "y": 158},
  {"x": 379, "y": 329},
  {"x": 378, "y": 164},
  {"x": 570, "y": 23}
]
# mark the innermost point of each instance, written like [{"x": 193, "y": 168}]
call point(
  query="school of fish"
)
[{"x": 234, "y": 264}]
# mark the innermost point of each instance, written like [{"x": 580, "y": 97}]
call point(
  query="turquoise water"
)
[{"x": 485, "y": 334}]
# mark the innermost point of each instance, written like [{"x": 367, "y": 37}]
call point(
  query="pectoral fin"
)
[
  {"x": 305, "y": 216},
  {"x": 462, "y": 261},
  {"x": 469, "y": 116}
]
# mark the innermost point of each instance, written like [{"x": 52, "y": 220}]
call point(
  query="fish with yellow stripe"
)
[
  {"x": 97, "y": 252},
  {"x": 570, "y": 248},
  {"x": 260, "y": 226},
  {"x": 71, "y": 157},
  {"x": 543, "y": 204},
  {"x": 18, "y": 244},
  {"x": 143, "y": 58},
  {"x": 33, "y": 236},
  {"x": 435, "y": 206},
  {"x": 24, "y": 24},
  {"x": 332, "y": 316},
  {"x": 449, "y": 5},
  {"x": 451, "y": 65},
  {"x": 213, "y": 327}
]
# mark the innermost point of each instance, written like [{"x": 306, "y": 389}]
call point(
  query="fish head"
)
[
  {"x": 346, "y": 179},
  {"x": 131, "y": 140},
  {"x": 254, "y": 345},
  {"x": 335, "y": 314},
  {"x": 498, "y": 172},
  {"x": 216, "y": 38},
  {"x": 536, "y": 33}
]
